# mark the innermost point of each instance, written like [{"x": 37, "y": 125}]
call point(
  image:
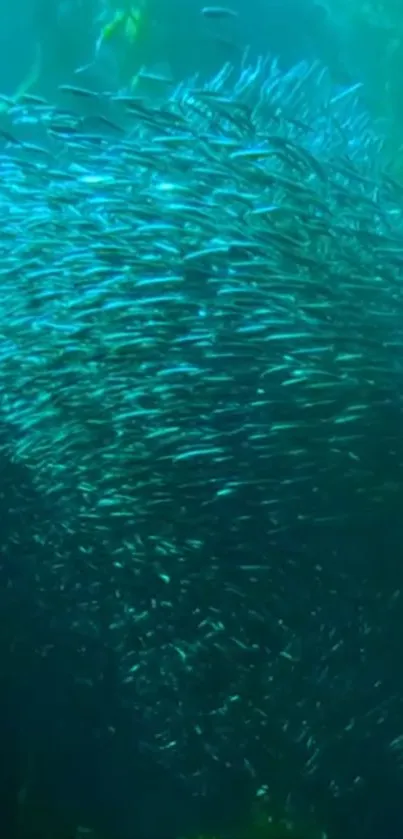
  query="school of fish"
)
[{"x": 201, "y": 327}]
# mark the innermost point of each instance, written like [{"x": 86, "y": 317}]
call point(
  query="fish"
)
[
  {"x": 201, "y": 325},
  {"x": 218, "y": 12}
]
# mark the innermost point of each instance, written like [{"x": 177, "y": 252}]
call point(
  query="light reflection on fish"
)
[{"x": 201, "y": 309}]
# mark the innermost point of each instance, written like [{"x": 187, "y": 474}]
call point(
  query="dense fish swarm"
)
[{"x": 201, "y": 326}]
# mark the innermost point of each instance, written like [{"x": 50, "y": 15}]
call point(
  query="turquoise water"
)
[{"x": 200, "y": 407}]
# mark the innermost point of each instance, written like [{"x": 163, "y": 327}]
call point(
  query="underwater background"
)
[{"x": 201, "y": 452}]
